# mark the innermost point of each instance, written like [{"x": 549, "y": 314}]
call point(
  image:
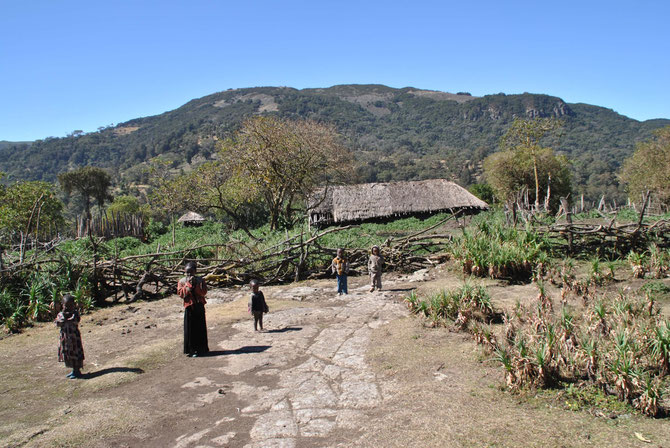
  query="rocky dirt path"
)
[
  {"x": 302, "y": 382},
  {"x": 316, "y": 358},
  {"x": 330, "y": 371}
]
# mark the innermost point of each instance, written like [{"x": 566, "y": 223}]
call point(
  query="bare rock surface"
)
[{"x": 304, "y": 380}]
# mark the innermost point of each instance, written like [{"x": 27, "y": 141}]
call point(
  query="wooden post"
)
[
  {"x": 173, "y": 231},
  {"x": 645, "y": 202},
  {"x": 568, "y": 219}
]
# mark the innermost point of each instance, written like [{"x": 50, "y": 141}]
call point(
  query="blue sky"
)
[{"x": 67, "y": 65}]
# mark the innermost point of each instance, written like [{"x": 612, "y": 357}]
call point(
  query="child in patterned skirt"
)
[{"x": 70, "y": 350}]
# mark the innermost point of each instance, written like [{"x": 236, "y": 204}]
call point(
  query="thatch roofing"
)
[
  {"x": 191, "y": 217},
  {"x": 379, "y": 200}
]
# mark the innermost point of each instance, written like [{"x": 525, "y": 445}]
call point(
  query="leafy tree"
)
[
  {"x": 283, "y": 161},
  {"x": 509, "y": 172},
  {"x": 90, "y": 182},
  {"x": 214, "y": 187},
  {"x": 29, "y": 207},
  {"x": 170, "y": 194},
  {"x": 649, "y": 167},
  {"x": 483, "y": 192},
  {"x": 124, "y": 205},
  {"x": 524, "y": 137}
]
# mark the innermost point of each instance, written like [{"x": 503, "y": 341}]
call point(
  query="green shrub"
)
[{"x": 492, "y": 248}]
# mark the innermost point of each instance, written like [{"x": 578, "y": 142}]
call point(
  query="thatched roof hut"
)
[
  {"x": 191, "y": 219},
  {"x": 350, "y": 203}
]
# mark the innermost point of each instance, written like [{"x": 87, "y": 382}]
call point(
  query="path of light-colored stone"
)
[{"x": 315, "y": 356}]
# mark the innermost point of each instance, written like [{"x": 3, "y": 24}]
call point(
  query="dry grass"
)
[{"x": 441, "y": 394}]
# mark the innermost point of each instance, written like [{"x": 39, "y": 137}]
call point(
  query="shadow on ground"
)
[
  {"x": 239, "y": 351},
  {"x": 284, "y": 330},
  {"x": 98, "y": 373},
  {"x": 400, "y": 289}
]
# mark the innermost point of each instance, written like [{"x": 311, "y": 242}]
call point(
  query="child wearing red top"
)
[{"x": 193, "y": 290}]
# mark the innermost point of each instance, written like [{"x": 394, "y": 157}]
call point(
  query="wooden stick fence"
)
[{"x": 114, "y": 226}]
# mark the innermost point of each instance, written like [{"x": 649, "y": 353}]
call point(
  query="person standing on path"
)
[
  {"x": 375, "y": 265},
  {"x": 257, "y": 304},
  {"x": 340, "y": 267},
  {"x": 70, "y": 349},
  {"x": 193, "y": 290}
]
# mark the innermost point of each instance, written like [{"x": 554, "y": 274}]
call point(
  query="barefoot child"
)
[
  {"x": 340, "y": 267},
  {"x": 257, "y": 305},
  {"x": 70, "y": 350},
  {"x": 375, "y": 264}
]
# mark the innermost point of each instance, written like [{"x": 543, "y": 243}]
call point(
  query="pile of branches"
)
[
  {"x": 618, "y": 238},
  {"x": 297, "y": 258}
]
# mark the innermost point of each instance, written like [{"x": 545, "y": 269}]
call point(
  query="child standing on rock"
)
[
  {"x": 70, "y": 350},
  {"x": 375, "y": 264},
  {"x": 257, "y": 305},
  {"x": 340, "y": 267}
]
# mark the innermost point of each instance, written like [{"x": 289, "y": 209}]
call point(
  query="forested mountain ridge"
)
[{"x": 396, "y": 134}]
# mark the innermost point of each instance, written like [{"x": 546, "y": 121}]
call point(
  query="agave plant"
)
[
  {"x": 648, "y": 400},
  {"x": 38, "y": 296},
  {"x": 638, "y": 264},
  {"x": 624, "y": 374},
  {"x": 596, "y": 276},
  {"x": 544, "y": 364},
  {"x": 510, "y": 328},
  {"x": 568, "y": 273},
  {"x": 543, "y": 299},
  {"x": 658, "y": 261},
  {"x": 599, "y": 318},
  {"x": 567, "y": 328},
  {"x": 623, "y": 308},
  {"x": 502, "y": 356},
  {"x": 650, "y": 303},
  {"x": 660, "y": 346},
  {"x": 15, "y": 321},
  {"x": 423, "y": 308},
  {"x": 462, "y": 319},
  {"x": 589, "y": 350},
  {"x": 412, "y": 301},
  {"x": 489, "y": 339}
]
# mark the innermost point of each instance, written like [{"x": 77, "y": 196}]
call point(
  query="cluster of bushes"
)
[
  {"x": 490, "y": 248},
  {"x": 654, "y": 261},
  {"x": 30, "y": 296},
  {"x": 463, "y": 306},
  {"x": 618, "y": 345}
]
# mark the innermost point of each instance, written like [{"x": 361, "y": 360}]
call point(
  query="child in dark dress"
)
[
  {"x": 193, "y": 290},
  {"x": 70, "y": 349},
  {"x": 257, "y": 305}
]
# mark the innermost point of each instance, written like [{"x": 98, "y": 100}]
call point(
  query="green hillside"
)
[{"x": 397, "y": 134}]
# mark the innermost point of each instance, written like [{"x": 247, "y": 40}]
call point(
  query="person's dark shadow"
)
[
  {"x": 399, "y": 289},
  {"x": 284, "y": 330},
  {"x": 97, "y": 373},
  {"x": 239, "y": 351}
]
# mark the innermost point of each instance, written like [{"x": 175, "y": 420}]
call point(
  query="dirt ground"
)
[{"x": 329, "y": 371}]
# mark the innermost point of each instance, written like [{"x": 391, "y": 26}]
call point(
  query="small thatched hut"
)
[
  {"x": 351, "y": 203},
  {"x": 191, "y": 219}
]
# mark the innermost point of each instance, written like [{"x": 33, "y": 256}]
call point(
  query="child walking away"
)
[
  {"x": 340, "y": 267},
  {"x": 375, "y": 264},
  {"x": 70, "y": 350},
  {"x": 193, "y": 290},
  {"x": 257, "y": 305}
]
